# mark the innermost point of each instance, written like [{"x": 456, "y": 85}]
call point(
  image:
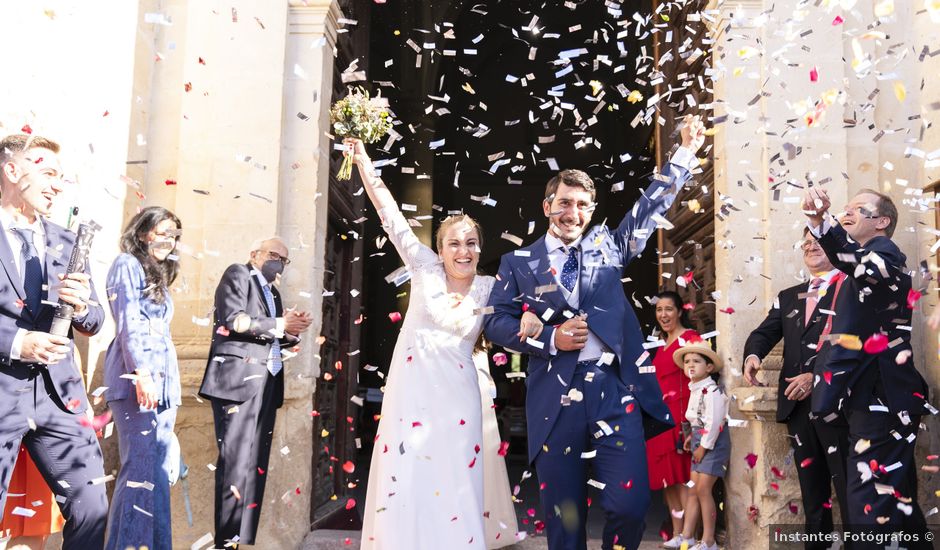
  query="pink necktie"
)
[{"x": 811, "y": 301}]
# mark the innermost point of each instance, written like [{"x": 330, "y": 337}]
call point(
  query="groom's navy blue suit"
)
[{"x": 601, "y": 410}]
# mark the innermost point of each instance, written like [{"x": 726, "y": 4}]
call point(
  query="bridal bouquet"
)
[{"x": 362, "y": 117}]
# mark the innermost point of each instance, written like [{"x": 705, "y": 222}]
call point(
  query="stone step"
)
[{"x": 328, "y": 539}]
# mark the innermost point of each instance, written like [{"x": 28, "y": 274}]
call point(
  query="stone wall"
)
[{"x": 765, "y": 155}]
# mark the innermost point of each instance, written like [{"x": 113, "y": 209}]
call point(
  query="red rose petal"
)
[
  {"x": 876, "y": 343},
  {"x": 751, "y": 460}
]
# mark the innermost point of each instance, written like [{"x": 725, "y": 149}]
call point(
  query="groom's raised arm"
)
[
  {"x": 502, "y": 326},
  {"x": 640, "y": 222}
]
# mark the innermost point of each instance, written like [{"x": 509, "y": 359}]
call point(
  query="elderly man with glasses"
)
[
  {"x": 244, "y": 381},
  {"x": 801, "y": 316}
]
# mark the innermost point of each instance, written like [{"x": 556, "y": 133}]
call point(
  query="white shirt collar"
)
[
  {"x": 553, "y": 243},
  {"x": 826, "y": 277},
  {"x": 261, "y": 279},
  {"x": 9, "y": 223},
  {"x": 703, "y": 383}
]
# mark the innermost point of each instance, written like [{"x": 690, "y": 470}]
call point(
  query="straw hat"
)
[{"x": 702, "y": 347}]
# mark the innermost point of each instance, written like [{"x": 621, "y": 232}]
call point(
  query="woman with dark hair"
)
[
  {"x": 142, "y": 376},
  {"x": 669, "y": 466}
]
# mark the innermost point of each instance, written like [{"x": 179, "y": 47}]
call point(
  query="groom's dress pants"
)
[{"x": 597, "y": 436}]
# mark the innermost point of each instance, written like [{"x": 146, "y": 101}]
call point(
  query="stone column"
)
[{"x": 761, "y": 169}]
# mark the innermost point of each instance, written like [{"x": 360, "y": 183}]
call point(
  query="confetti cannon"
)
[{"x": 64, "y": 312}]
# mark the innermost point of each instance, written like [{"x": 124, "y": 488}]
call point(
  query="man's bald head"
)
[{"x": 267, "y": 249}]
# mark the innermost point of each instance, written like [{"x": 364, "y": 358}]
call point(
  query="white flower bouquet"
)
[{"x": 362, "y": 117}]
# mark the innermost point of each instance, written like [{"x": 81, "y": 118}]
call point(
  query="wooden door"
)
[{"x": 690, "y": 245}]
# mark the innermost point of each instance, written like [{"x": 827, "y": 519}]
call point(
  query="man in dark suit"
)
[
  {"x": 592, "y": 396},
  {"x": 801, "y": 316},
  {"x": 244, "y": 380},
  {"x": 869, "y": 374},
  {"x": 42, "y": 397}
]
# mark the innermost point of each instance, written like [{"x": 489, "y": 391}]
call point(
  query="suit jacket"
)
[
  {"x": 875, "y": 301},
  {"x": 65, "y": 376},
  {"x": 605, "y": 255},
  {"x": 237, "y": 367},
  {"x": 786, "y": 320}
]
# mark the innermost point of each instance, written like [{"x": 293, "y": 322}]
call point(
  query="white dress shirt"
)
[
  {"x": 280, "y": 322},
  {"x": 713, "y": 403},
  {"x": 16, "y": 246},
  {"x": 558, "y": 254}
]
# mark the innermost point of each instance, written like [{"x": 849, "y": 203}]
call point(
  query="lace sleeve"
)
[{"x": 411, "y": 250}]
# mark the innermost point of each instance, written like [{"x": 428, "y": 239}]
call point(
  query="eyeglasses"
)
[
  {"x": 810, "y": 244},
  {"x": 277, "y": 257}
]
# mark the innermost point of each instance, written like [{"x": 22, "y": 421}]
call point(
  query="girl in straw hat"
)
[{"x": 709, "y": 441}]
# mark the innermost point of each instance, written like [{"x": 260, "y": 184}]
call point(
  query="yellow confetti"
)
[
  {"x": 848, "y": 341},
  {"x": 694, "y": 205},
  {"x": 884, "y": 8},
  {"x": 324, "y": 432},
  {"x": 933, "y": 9},
  {"x": 468, "y": 88},
  {"x": 900, "y": 91},
  {"x": 665, "y": 17},
  {"x": 635, "y": 97},
  {"x": 596, "y": 87},
  {"x": 738, "y": 71},
  {"x": 747, "y": 52}
]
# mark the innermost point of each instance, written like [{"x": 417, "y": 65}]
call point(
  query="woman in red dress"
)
[{"x": 668, "y": 464}]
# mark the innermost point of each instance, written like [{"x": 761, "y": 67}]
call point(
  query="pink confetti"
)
[
  {"x": 912, "y": 297},
  {"x": 876, "y": 343},
  {"x": 827, "y": 376},
  {"x": 814, "y": 75},
  {"x": 394, "y": 316},
  {"x": 503, "y": 448},
  {"x": 26, "y": 129},
  {"x": 751, "y": 460},
  {"x": 728, "y": 310},
  {"x": 837, "y": 21},
  {"x": 350, "y": 504},
  {"x": 806, "y": 462},
  {"x": 349, "y": 467},
  {"x": 500, "y": 359}
]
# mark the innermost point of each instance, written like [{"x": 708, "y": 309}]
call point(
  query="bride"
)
[{"x": 437, "y": 480}]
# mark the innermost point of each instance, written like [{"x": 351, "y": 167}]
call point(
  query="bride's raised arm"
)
[{"x": 411, "y": 250}]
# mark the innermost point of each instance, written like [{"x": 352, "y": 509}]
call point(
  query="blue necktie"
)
[
  {"x": 274, "y": 358},
  {"x": 32, "y": 270},
  {"x": 569, "y": 271}
]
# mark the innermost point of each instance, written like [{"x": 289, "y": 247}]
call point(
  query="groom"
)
[{"x": 591, "y": 390}]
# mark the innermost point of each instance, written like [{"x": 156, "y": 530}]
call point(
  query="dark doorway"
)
[{"x": 494, "y": 97}]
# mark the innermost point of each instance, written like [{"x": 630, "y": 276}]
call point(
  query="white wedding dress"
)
[{"x": 426, "y": 484}]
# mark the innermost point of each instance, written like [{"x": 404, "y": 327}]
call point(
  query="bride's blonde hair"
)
[{"x": 450, "y": 221}]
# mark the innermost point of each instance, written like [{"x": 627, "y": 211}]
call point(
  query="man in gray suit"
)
[{"x": 244, "y": 380}]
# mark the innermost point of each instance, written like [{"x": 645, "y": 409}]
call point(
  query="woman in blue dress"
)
[{"x": 142, "y": 376}]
